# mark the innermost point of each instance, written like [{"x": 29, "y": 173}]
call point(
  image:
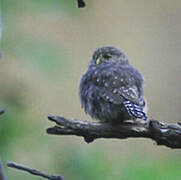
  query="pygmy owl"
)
[{"x": 111, "y": 89}]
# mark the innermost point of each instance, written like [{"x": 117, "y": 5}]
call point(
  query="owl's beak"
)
[{"x": 98, "y": 61}]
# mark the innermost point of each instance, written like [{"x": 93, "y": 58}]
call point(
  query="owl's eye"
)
[
  {"x": 98, "y": 61},
  {"x": 107, "y": 56}
]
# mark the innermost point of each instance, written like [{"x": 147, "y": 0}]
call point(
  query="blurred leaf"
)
[
  {"x": 42, "y": 6},
  {"x": 44, "y": 55},
  {"x": 149, "y": 169},
  {"x": 0, "y": 26},
  {"x": 12, "y": 126},
  {"x": 41, "y": 54},
  {"x": 87, "y": 166}
]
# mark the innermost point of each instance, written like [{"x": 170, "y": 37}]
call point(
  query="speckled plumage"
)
[{"x": 111, "y": 89}]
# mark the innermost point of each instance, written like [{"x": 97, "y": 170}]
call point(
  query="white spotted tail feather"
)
[{"x": 135, "y": 110}]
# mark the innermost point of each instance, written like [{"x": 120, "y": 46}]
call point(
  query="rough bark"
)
[{"x": 164, "y": 134}]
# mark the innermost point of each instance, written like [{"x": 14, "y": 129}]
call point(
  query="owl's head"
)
[{"x": 106, "y": 54}]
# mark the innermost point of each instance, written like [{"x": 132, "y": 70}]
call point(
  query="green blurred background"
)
[{"x": 46, "y": 46}]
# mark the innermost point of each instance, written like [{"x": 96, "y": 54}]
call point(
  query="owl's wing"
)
[{"x": 117, "y": 87}]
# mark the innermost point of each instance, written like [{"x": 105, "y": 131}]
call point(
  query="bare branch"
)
[
  {"x": 164, "y": 134},
  {"x": 81, "y": 3},
  {"x": 34, "y": 171},
  {"x": 2, "y": 175}
]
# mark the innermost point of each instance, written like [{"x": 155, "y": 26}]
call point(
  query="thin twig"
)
[
  {"x": 164, "y": 134},
  {"x": 34, "y": 171},
  {"x": 2, "y": 175},
  {"x": 81, "y": 3}
]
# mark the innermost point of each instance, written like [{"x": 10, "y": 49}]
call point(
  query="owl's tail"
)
[{"x": 135, "y": 110}]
